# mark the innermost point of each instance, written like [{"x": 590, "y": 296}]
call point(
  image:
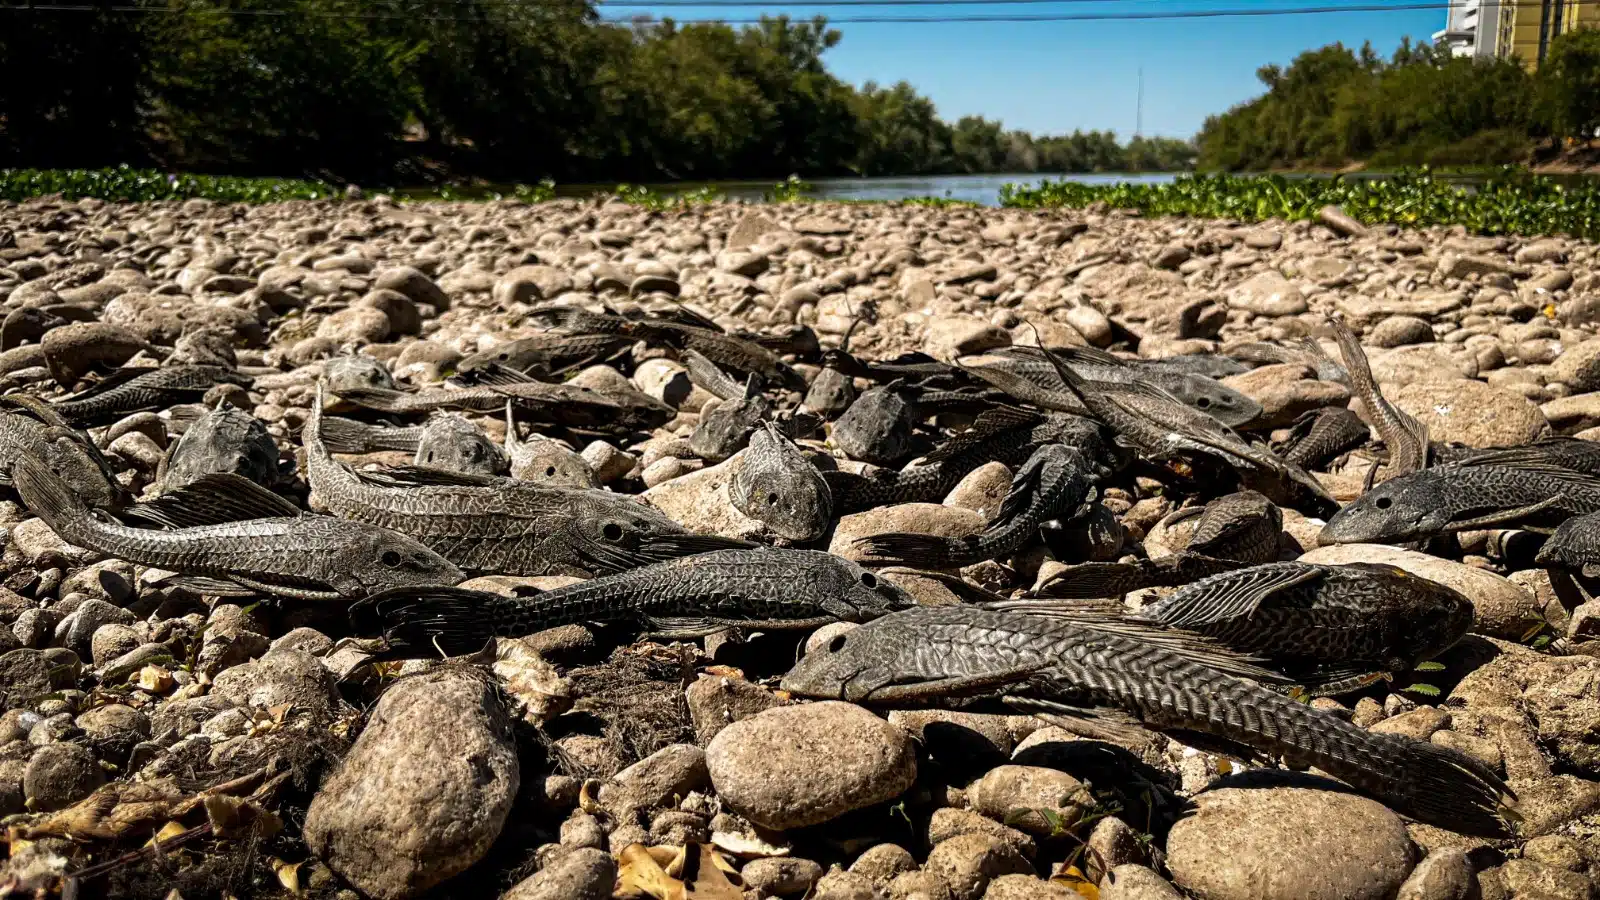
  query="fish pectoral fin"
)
[
  {"x": 1328, "y": 679},
  {"x": 1100, "y": 579},
  {"x": 213, "y": 500},
  {"x": 116, "y": 379},
  {"x": 1501, "y": 517},
  {"x": 210, "y": 587},
  {"x": 1235, "y": 597},
  {"x": 956, "y": 685},
  {"x": 426, "y": 476},
  {"x": 1024, "y": 487}
]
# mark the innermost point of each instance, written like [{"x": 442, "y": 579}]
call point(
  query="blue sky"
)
[{"x": 1052, "y": 77}]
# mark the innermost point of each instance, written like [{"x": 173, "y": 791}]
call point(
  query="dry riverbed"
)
[{"x": 274, "y": 761}]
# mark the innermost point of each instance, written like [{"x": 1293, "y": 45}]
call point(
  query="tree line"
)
[
  {"x": 407, "y": 91},
  {"x": 1333, "y": 106}
]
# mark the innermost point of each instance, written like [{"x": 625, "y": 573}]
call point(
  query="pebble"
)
[
  {"x": 794, "y": 766},
  {"x": 424, "y": 791}
]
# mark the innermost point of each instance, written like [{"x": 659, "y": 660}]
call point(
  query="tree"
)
[{"x": 1569, "y": 85}]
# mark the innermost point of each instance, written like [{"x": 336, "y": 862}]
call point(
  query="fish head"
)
[
  {"x": 778, "y": 487},
  {"x": 1405, "y": 508},
  {"x": 726, "y": 428},
  {"x": 1216, "y": 399},
  {"x": 545, "y": 461},
  {"x": 345, "y": 372},
  {"x": 223, "y": 441},
  {"x": 851, "y": 666},
  {"x": 451, "y": 442},
  {"x": 382, "y": 559},
  {"x": 614, "y": 534},
  {"x": 81, "y": 465},
  {"x": 856, "y": 594}
]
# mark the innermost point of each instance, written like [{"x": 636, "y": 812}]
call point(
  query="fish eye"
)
[
  {"x": 772, "y": 499},
  {"x": 390, "y": 558},
  {"x": 502, "y": 356},
  {"x": 550, "y": 472},
  {"x": 837, "y": 644},
  {"x": 869, "y": 580},
  {"x": 1383, "y": 502},
  {"x": 612, "y": 532},
  {"x": 1203, "y": 402}
]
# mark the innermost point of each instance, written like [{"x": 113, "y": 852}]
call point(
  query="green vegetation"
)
[
  {"x": 1511, "y": 202},
  {"x": 415, "y": 92},
  {"x": 1333, "y": 107},
  {"x": 127, "y": 185}
]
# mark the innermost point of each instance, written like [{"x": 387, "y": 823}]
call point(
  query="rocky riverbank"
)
[{"x": 272, "y": 758}]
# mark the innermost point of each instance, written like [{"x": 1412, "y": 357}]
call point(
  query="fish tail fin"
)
[
  {"x": 918, "y": 551},
  {"x": 448, "y": 620},
  {"x": 47, "y": 496},
  {"x": 1445, "y": 787},
  {"x": 1092, "y": 580}
]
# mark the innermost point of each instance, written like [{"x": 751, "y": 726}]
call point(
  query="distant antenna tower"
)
[{"x": 1138, "y": 115}]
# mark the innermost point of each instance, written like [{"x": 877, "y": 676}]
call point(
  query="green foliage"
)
[
  {"x": 1569, "y": 89},
  {"x": 1511, "y": 202},
  {"x": 128, "y": 185},
  {"x": 790, "y": 190},
  {"x": 412, "y": 92}
]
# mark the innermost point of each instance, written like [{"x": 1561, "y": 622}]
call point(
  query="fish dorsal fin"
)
[
  {"x": 212, "y": 500},
  {"x": 1530, "y": 457},
  {"x": 1233, "y": 595},
  {"x": 210, "y": 587},
  {"x": 1069, "y": 354},
  {"x": 962, "y": 588},
  {"x": 986, "y": 426},
  {"x": 494, "y": 373},
  {"x": 341, "y": 435},
  {"x": 1112, "y": 619},
  {"x": 426, "y": 476}
]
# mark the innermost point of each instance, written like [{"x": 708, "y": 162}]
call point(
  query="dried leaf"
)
[
  {"x": 230, "y": 816},
  {"x": 587, "y": 801},
  {"x": 726, "y": 672},
  {"x": 746, "y": 845},
  {"x": 1224, "y": 767},
  {"x": 168, "y": 832},
  {"x": 288, "y": 874},
  {"x": 1073, "y": 878},
  {"x": 674, "y": 866},
  {"x": 639, "y": 875},
  {"x": 711, "y": 881},
  {"x": 155, "y": 679}
]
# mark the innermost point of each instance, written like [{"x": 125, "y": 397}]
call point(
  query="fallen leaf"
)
[
  {"x": 639, "y": 875},
  {"x": 746, "y": 845},
  {"x": 725, "y": 672},
  {"x": 711, "y": 880},
  {"x": 155, "y": 679},
  {"x": 1073, "y": 878},
  {"x": 288, "y": 874},
  {"x": 168, "y": 832}
]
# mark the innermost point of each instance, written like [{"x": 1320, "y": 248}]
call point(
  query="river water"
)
[{"x": 982, "y": 189}]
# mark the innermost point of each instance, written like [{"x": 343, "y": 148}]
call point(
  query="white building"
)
[{"x": 1472, "y": 28}]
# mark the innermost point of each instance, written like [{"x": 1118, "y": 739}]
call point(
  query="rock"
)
[
  {"x": 1340, "y": 222},
  {"x": 1579, "y": 367},
  {"x": 1418, "y": 724},
  {"x": 1472, "y": 413},
  {"x": 1444, "y": 874},
  {"x": 883, "y": 862},
  {"x": 1027, "y": 887},
  {"x": 1285, "y": 392},
  {"x": 1361, "y": 311},
  {"x": 663, "y": 777},
  {"x": 838, "y": 885},
  {"x": 355, "y": 325},
  {"x": 1397, "y": 331},
  {"x": 1530, "y": 879},
  {"x": 581, "y": 874},
  {"x": 1263, "y": 239},
  {"x": 282, "y": 676},
  {"x": 951, "y": 337},
  {"x": 780, "y": 876},
  {"x": 967, "y": 862},
  {"x": 1544, "y": 251},
  {"x": 1016, "y": 795},
  {"x": 424, "y": 791},
  {"x": 948, "y": 822},
  {"x": 1268, "y": 294},
  {"x": 1291, "y": 843},
  {"x": 1557, "y": 693},
  {"x": 59, "y": 775},
  {"x": 794, "y": 766},
  {"x": 970, "y": 271},
  {"x": 748, "y": 263},
  {"x": 73, "y": 350},
  {"x": 919, "y": 518},
  {"x": 749, "y": 230},
  {"x": 699, "y": 501},
  {"x": 113, "y": 730},
  {"x": 530, "y": 284},
  {"x": 1093, "y": 324},
  {"x": 1501, "y": 607},
  {"x": 717, "y": 701},
  {"x": 1170, "y": 256},
  {"x": 23, "y": 674},
  {"x": 400, "y": 310},
  {"x": 1135, "y": 882},
  {"x": 413, "y": 284},
  {"x": 982, "y": 490},
  {"x": 1453, "y": 265}
]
